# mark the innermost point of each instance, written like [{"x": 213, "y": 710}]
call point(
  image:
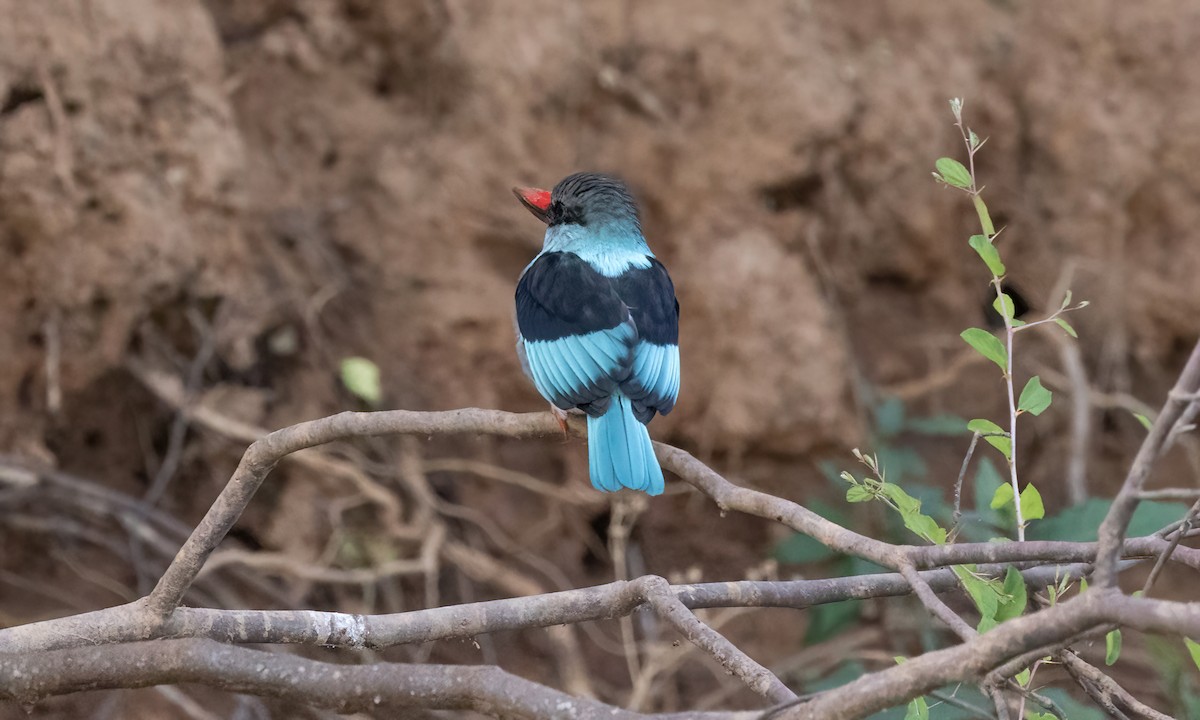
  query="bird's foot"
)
[{"x": 561, "y": 416}]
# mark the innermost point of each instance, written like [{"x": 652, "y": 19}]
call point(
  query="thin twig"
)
[
  {"x": 1104, "y": 690},
  {"x": 182, "y": 420},
  {"x": 962, "y": 473},
  {"x": 1112, "y": 529},
  {"x": 658, "y": 594},
  {"x": 935, "y": 605},
  {"x": 1163, "y": 557}
]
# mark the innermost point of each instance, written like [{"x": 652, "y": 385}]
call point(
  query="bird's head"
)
[{"x": 586, "y": 199}]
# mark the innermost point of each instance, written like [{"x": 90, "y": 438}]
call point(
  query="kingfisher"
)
[{"x": 598, "y": 325}]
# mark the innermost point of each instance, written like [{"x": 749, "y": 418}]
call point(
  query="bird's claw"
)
[{"x": 560, "y": 415}]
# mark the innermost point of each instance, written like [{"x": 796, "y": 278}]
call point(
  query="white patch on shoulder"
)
[{"x": 612, "y": 262}]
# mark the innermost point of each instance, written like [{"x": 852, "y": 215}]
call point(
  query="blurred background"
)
[{"x": 207, "y": 205}]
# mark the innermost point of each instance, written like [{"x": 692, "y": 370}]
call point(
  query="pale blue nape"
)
[
  {"x": 610, "y": 248},
  {"x": 620, "y": 453}
]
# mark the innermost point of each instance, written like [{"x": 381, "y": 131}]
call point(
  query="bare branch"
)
[
  {"x": 1172, "y": 546},
  {"x": 345, "y": 688},
  {"x": 29, "y": 676},
  {"x": 658, "y": 594},
  {"x": 1112, "y": 530},
  {"x": 973, "y": 660},
  {"x": 935, "y": 605},
  {"x": 160, "y": 616},
  {"x": 128, "y": 623},
  {"x": 1103, "y": 689},
  {"x": 264, "y": 453}
]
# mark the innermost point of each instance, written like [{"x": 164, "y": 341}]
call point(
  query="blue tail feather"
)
[{"x": 620, "y": 453}]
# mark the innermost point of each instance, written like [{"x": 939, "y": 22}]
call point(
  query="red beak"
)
[{"x": 536, "y": 201}]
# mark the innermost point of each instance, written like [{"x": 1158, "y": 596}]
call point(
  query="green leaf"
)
[
  {"x": 993, "y": 434},
  {"x": 983, "y": 593},
  {"x": 858, "y": 493},
  {"x": 1112, "y": 647},
  {"x": 1034, "y": 398},
  {"x": 918, "y": 709},
  {"x": 361, "y": 377},
  {"x": 1003, "y": 305},
  {"x": 1003, "y": 496},
  {"x": 953, "y": 172},
  {"x": 925, "y": 527},
  {"x": 1012, "y": 605},
  {"x": 985, "y": 220},
  {"x": 1193, "y": 648},
  {"x": 1145, "y": 421},
  {"x": 1066, "y": 326},
  {"x": 907, "y": 504},
  {"x": 987, "y": 479},
  {"x": 1031, "y": 504},
  {"x": 987, "y": 345},
  {"x": 1023, "y": 677},
  {"x": 1066, "y": 300},
  {"x": 985, "y": 427},
  {"x": 1032, "y": 715},
  {"x": 989, "y": 253}
]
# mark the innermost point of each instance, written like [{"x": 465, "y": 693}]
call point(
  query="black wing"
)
[
  {"x": 653, "y": 383},
  {"x": 577, "y": 334}
]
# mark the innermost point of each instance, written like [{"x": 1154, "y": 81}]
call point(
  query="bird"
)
[{"x": 598, "y": 325}]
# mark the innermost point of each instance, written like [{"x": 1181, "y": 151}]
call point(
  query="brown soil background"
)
[{"x": 316, "y": 179}]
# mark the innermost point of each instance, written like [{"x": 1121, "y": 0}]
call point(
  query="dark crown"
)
[{"x": 591, "y": 198}]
